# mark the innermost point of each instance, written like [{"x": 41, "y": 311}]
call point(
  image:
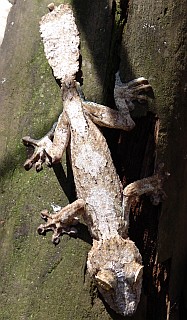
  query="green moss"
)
[
  {"x": 40, "y": 281},
  {"x": 31, "y": 262}
]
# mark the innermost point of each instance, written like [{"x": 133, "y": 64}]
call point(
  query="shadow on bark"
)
[{"x": 134, "y": 156}]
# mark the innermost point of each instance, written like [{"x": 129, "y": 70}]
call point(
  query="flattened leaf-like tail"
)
[{"x": 61, "y": 42}]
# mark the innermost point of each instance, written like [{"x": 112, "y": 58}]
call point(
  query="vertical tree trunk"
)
[
  {"x": 154, "y": 46},
  {"x": 38, "y": 280}
]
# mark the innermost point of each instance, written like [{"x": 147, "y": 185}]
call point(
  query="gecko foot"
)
[
  {"x": 57, "y": 233},
  {"x": 40, "y": 146},
  {"x": 63, "y": 221},
  {"x": 151, "y": 186},
  {"x": 39, "y": 155},
  {"x": 56, "y": 226},
  {"x": 126, "y": 93}
]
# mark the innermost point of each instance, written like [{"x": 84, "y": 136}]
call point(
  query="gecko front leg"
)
[
  {"x": 50, "y": 148},
  {"x": 62, "y": 221},
  {"x": 125, "y": 94},
  {"x": 39, "y": 155}
]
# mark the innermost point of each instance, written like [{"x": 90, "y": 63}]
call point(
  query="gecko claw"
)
[
  {"x": 54, "y": 223},
  {"x": 28, "y": 141},
  {"x": 127, "y": 93},
  {"x": 55, "y": 240},
  {"x": 57, "y": 231},
  {"x": 73, "y": 232},
  {"x": 41, "y": 230},
  {"x": 39, "y": 156},
  {"x": 28, "y": 164},
  {"x": 38, "y": 166},
  {"x": 45, "y": 214}
]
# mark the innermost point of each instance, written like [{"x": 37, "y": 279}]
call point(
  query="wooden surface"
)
[
  {"x": 154, "y": 46},
  {"x": 36, "y": 278}
]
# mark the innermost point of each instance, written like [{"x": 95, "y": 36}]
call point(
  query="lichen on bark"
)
[{"x": 30, "y": 102}]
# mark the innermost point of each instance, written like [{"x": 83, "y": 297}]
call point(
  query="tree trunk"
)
[
  {"x": 38, "y": 280},
  {"x": 154, "y": 46}
]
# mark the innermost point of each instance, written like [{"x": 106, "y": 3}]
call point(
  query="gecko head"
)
[{"x": 115, "y": 265}]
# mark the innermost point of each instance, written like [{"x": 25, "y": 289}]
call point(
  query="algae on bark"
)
[{"x": 36, "y": 277}]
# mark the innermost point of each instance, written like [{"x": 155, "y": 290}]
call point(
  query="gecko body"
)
[{"x": 114, "y": 261}]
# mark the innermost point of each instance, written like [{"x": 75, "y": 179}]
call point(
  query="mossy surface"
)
[{"x": 38, "y": 280}]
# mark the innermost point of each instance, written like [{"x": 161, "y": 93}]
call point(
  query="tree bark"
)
[
  {"x": 154, "y": 46},
  {"x": 38, "y": 280}
]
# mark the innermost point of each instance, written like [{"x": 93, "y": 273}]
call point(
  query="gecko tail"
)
[{"x": 61, "y": 42}]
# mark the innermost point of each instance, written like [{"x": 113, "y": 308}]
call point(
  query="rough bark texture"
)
[
  {"x": 36, "y": 278},
  {"x": 114, "y": 261},
  {"x": 154, "y": 45}
]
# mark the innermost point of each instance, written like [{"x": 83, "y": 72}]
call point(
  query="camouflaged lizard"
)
[{"x": 114, "y": 261}]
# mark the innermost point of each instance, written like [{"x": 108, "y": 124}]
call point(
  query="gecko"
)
[{"x": 114, "y": 261}]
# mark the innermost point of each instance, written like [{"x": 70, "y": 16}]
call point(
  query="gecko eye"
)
[{"x": 106, "y": 279}]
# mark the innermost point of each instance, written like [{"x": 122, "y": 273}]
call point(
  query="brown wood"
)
[{"x": 154, "y": 45}]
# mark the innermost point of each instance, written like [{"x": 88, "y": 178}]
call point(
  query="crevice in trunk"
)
[{"x": 136, "y": 157}]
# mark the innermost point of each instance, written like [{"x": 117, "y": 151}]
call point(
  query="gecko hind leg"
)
[
  {"x": 151, "y": 186},
  {"x": 63, "y": 221}
]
